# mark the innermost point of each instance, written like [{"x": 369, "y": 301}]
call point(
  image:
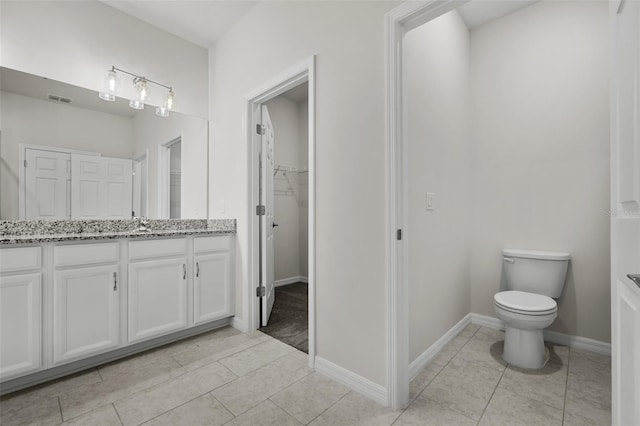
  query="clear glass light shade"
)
[
  {"x": 142, "y": 93},
  {"x": 110, "y": 86},
  {"x": 163, "y": 111}
]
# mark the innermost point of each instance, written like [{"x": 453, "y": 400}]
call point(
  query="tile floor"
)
[{"x": 231, "y": 378}]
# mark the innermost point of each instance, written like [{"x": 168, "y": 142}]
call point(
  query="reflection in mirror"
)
[{"x": 65, "y": 153}]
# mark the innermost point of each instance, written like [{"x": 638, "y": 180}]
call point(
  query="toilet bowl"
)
[
  {"x": 534, "y": 278},
  {"x": 525, "y": 316}
]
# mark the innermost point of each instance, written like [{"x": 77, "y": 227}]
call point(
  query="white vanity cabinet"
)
[
  {"x": 20, "y": 311},
  {"x": 157, "y": 288},
  {"x": 86, "y": 300},
  {"x": 212, "y": 287},
  {"x": 70, "y": 305}
]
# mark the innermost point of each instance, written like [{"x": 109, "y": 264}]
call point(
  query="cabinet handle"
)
[
  {"x": 197, "y": 269},
  {"x": 115, "y": 281},
  {"x": 184, "y": 271}
]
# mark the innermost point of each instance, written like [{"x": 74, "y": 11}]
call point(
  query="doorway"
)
[
  {"x": 286, "y": 314},
  {"x": 261, "y": 277},
  {"x": 169, "y": 179}
]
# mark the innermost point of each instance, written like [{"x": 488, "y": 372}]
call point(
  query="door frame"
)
[
  {"x": 293, "y": 76},
  {"x": 398, "y": 22},
  {"x": 164, "y": 176}
]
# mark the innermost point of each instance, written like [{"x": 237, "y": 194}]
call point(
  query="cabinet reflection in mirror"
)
[{"x": 64, "y": 153}]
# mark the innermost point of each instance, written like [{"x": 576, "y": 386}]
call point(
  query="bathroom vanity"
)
[{"x": 75, "y": 294}]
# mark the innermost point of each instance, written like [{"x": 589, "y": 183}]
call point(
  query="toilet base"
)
[{"x": 524, "y": 348}]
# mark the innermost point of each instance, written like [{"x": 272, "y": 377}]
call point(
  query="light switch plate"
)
[{"x": 431, "y": 197}]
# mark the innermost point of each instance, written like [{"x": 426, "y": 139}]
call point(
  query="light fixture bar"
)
[{"x": 114, "y": 68}]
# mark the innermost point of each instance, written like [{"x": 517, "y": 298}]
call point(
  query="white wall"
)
[
  {"x": 38, "y": 122},
  {"x": 77, "y": 41},
  {"x": 285, "y": 117},
  {"x": 348, "y": 39},
  {"x": 436, "y": 63},
  {"x": 149, "y": 133},
  {"x": 541, "y": 153}
]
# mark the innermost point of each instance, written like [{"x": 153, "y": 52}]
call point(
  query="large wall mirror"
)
[{"x": 65, "y": 153}]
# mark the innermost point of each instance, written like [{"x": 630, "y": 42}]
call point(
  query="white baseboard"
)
[
  {"x": 425, "y": 357},
  {"x": 291, "y": 280},
  {"x": 240, "y": 324},
  {"x": 575, "y": 342},
  {"x": 352, "y": 380}
]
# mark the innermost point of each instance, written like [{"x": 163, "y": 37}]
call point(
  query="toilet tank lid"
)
[{"x": 536, "y": 254}]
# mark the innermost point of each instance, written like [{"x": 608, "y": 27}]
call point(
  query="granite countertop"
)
[{"x": 44, "y": 231}]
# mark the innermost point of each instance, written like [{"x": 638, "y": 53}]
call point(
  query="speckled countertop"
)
[{"x": 43, "y": 231}]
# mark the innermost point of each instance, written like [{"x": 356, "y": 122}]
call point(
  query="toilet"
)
[{"x": 534, "y": 280}]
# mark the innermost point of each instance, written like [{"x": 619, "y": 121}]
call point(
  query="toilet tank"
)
[{"x": 540, "y": 272}]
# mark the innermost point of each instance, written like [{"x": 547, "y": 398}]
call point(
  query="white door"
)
[
  {"x": 268, "y": 266},
  {"x": 20, "y": 324},
  {"x": 47, "y": 176},
  {"x": 101, "y": 187},
  {"x": 85, "y": 312},
  {"x": 625, "y": 212},
  {"x": 211, "y": 287},
  {"x": 157, "y": 297}
]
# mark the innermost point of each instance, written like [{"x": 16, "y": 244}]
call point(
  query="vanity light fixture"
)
[{"x": 111, "y": 87}]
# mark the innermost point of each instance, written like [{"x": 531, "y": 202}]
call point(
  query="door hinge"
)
[
  {"x": 260, "y": 291},
  {"x": 261, "y": 210},
  {"x": 399, "y": 234},
  {"x": 25, "y": 163},
  {"x": 260, "y": 129}
]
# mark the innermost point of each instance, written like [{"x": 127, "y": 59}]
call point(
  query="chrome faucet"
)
[{"x": 143, "y": 224}]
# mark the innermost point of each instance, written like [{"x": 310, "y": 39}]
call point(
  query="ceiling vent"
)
[{"x": 57, "y": 98}]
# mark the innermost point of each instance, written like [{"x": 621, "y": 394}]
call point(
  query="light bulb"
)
[
  {"x": 110, "y": 86},
  {"x": 142, "y": 93}
]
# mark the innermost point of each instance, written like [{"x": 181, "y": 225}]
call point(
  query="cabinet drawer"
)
[
  {"x": 155, "y": 248},
  {"x": 20, "y": 259},
  {"x": 218, "y": 243},
  {"x": 83, "y": 254}
]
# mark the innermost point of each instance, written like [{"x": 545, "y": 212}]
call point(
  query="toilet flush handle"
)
[{"x": 509, "y": 260}]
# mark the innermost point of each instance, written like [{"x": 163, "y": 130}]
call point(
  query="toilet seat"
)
[{"x": 521, "y": 302}]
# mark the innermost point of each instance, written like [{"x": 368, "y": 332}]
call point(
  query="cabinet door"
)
[
  {"x": 157, "y": 297},
  {"x": 85, "y": 312},
  {"x": 212, "y": 287},
  {"x": 20, "y": 324}
]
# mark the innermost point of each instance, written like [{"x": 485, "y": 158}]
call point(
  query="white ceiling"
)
[
  {"x": 198, "y": 21},
  {"x": 479, "y": 12},
  {"x": 203, "y": 22}
]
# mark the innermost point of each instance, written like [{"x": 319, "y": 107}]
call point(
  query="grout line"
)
[
  {"x": 117, "y": 414},
  {"x": 493, "y": 393},
  {"x": 60, "y": 408},
  {"x": 99, "y": 374},
  {"x": 566, "y": 386},
  {"x": 329, "y": 407}
]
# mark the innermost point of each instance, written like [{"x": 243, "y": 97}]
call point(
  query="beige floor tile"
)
[
  {"x": 261, "y": 354},
  {"x": 124, "y": 366},
  {"x": 215, "y": 335},
  {"x": 251, "y": 389},
  {"x": 484, "y": 349},
  {"x": 589, "y": 379},
  {"x": 557, "y": 353},
  {"x": 508, "y": 409},
  {"x": 204, "y": 410},
  {"x": 464, "y": 386},
  {"x": 103, "y": 416},
  {"x": 424, "y": 377},
  {"x": 547, "y": 385},
  {"x": 444, "y": 356},
  {"x": 300, "y": 356},
  {"x": 23, "y": 408},
  {"x": 579, "y": 412},
  {"x": 309, "y": 397},
  {"x": 355, "y": 410},
  {"x": 469, "y": 330},
  {"x": 425, "y": 412},
  {"x": 66, "y": 384},
  {"x": 265, "y": 414},
  {"x": 211, "y": 351},
  {"x": 580, "y": 355},
  {"x": 490, "y": 334},
  {"x": 88, "y": 397},
  {"x": 151, "y": 402}
]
